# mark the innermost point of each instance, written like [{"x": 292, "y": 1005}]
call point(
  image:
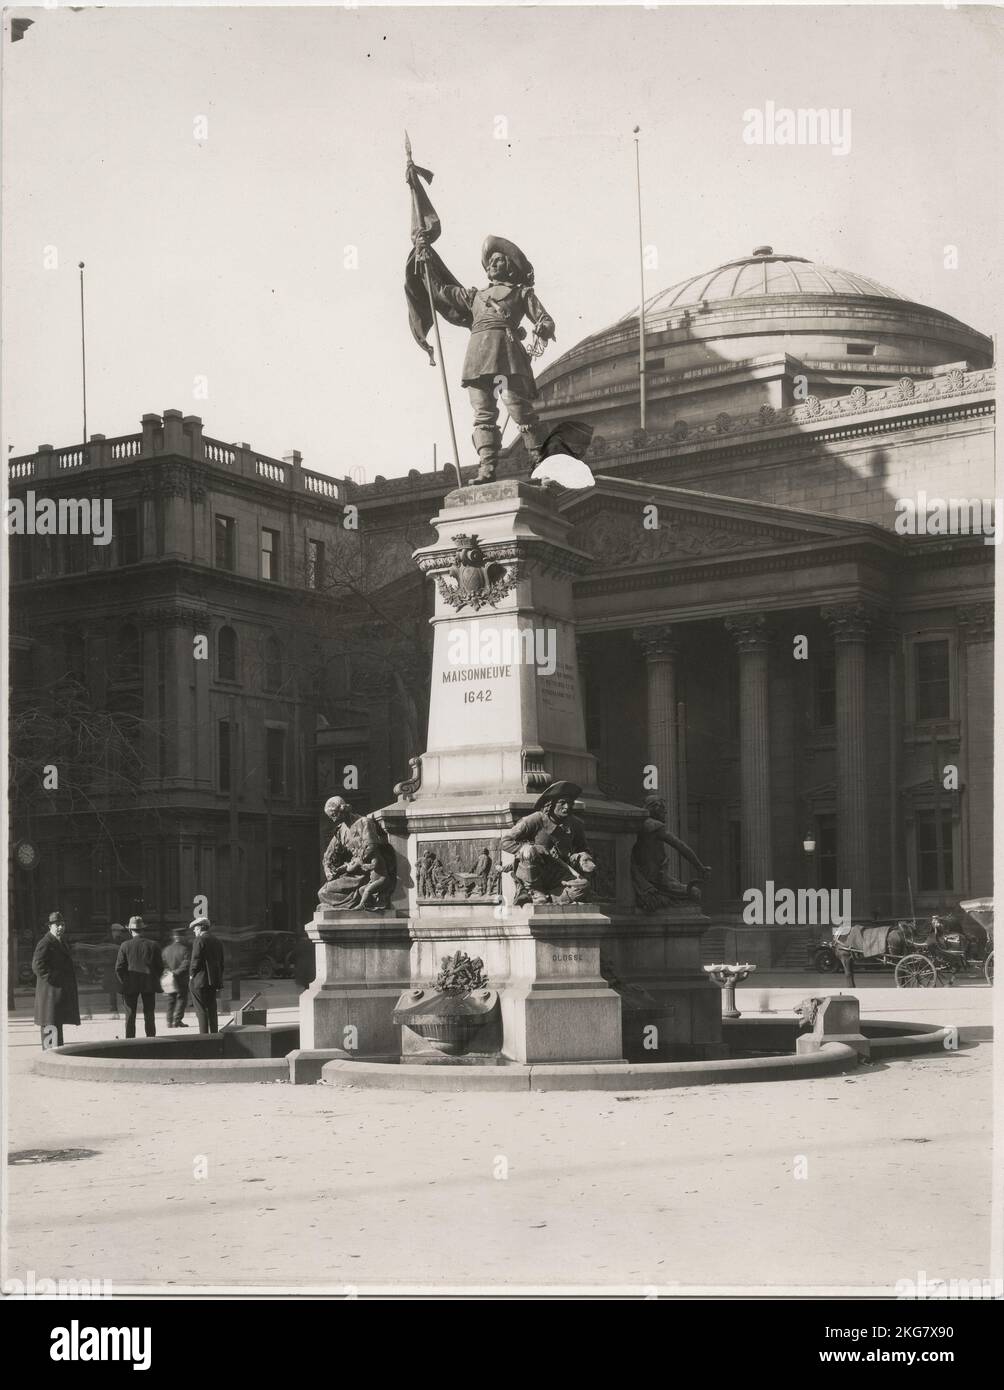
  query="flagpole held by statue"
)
[{"x": 417, "y": 225}]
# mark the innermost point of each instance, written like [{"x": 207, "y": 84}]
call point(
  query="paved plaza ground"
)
[{"x": 696, "y": 1188}]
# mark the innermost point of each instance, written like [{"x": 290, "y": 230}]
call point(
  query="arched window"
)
[
  {"x": 273, "y": 663},
  {"x": 128, "y": 664},
  {"x": 226, "y": 654}
]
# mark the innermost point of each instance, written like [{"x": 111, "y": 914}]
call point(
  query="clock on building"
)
[{"x": 26, "y": 855}]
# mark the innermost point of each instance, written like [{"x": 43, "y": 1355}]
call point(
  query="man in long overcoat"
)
[
  {"x": 138, "y": 970},
  {"x": 56, "y": 1000},
  {"x": 207, "y": 975}
]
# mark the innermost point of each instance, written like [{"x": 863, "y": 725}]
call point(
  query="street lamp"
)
[{"x": 809, "y": 842}]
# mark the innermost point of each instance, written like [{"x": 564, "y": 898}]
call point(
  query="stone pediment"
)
[{"x": 617, "y": 527}]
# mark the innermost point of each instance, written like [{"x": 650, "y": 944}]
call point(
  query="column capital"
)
[
  {"x": 976, "y": 622},
  {"x": 749, "y": 631},
  {"x": 854, "y": 621},
  {"x": 658, "y": 643}
]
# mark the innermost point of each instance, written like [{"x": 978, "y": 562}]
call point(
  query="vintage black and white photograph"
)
[{"x": 500, "y": 527}]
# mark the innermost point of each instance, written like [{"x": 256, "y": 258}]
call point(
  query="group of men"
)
[{"x": 142, "y": 971}]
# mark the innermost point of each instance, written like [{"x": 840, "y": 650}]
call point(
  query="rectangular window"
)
[
  {"x": 932, "y": 679},
  {"x": 126, "y": 533},
  {"x": 826, "y": 693},
  {"x": 226, "y": 543},
  {"x": 861, "y": 349},
  {"x": 223, "y": 759},
  {"x": 269, "y": 554},
  {"x": 275, "y": 760},
  {"x": 315, "y": 565},
  {"x": 935, "y": 861}
]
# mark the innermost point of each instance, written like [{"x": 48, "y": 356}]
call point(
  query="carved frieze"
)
[
  {"x": 621, "y": 537},
  {"x": 459, "y": 871},
  {"x": 858, "y": 401}
]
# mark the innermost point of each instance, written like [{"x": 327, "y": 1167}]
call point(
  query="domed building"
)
[
  {"x": 767, "y": 329},
  {"x": 756, "y": 634}
]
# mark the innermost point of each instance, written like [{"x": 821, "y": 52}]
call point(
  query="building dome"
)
[
  {"x": 765, "y": 272},
  {"x": 752, "y": 333}
]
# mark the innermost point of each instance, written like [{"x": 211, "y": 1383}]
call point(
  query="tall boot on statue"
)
[{"x": 486, "y": 439}]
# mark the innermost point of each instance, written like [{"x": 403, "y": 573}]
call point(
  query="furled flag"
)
[{"x": 424, "y": 218}]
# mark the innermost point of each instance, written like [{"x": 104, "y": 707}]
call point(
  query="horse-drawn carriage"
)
[{"x": 921, "y": 954}]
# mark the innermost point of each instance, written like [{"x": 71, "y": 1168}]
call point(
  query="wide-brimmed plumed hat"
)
[
  {"x": 522, "y": 269},
  {"x": 558, "y": 791}
]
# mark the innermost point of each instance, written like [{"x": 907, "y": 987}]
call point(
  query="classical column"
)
[
  {"x": 660, "y": 649},
  {"x": 850, "y": 624},
  {"x": 752, "y": 638},
  {"x": 976, "y": 709}
]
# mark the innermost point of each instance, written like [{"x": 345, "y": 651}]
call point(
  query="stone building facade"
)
[
  {"x": 239, "y": 645},
  {"x": 753, "y": 627}
]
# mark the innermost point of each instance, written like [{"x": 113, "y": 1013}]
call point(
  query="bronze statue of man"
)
[
  {"x": 553, "y": 862},
  {"x": 654, "y": 886},
  {"x": 496, "y": 363}
]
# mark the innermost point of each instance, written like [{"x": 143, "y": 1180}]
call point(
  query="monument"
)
[
  {"x": 501, "y": 849},
  {"x": 503, "y": 909}
]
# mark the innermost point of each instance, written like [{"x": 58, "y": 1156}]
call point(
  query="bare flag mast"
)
[{"x": 641, "y": 274}]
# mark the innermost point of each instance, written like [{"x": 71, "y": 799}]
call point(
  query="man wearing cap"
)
[
  {"x": 175, "y": 979},
  {"x": 206, "y": 975},
  {"x": 56, "y": 1000},
  {"x": 138, "y": 969},
  {"x": 496, "y": 362},
  {"x": 553, "y": 863}
]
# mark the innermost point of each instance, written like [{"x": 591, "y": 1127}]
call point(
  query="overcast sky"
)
[{"x": 222, "y": 251}]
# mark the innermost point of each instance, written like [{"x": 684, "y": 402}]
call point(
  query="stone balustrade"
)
[{"x": 175, "y": 435}]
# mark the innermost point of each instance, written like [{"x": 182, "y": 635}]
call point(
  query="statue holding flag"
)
[{"x": 496, "y": 363}]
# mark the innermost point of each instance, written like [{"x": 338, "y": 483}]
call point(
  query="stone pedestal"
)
[
  {"x": 362, "y": 967},
  {"x": 836, "y": 1018},
  {"x": 592, "y": 981}
]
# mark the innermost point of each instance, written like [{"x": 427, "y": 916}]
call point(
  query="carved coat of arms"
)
[{"x": 473, "y": 580}]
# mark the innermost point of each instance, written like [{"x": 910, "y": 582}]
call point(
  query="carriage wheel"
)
[
  {"x": 915, "y": 972},
  {"x": 825, "y": 961},
  {"x": 988, "y": 968},
  {"x": 266, "y": 969}
]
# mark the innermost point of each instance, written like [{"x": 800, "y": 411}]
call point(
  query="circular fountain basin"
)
[{"x": 760, "y": 1049}]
